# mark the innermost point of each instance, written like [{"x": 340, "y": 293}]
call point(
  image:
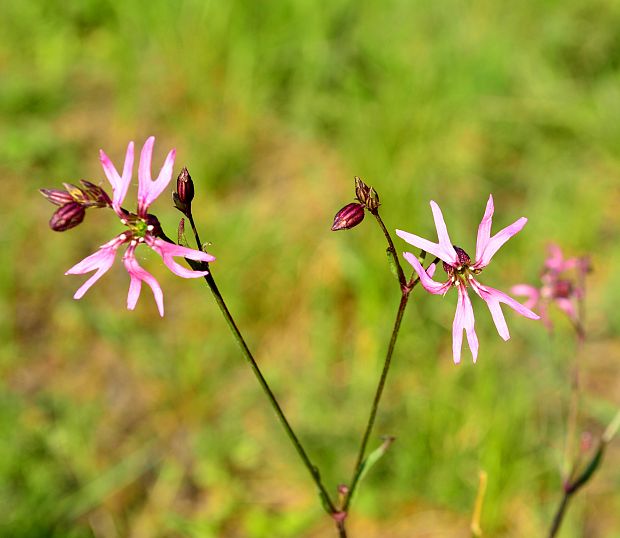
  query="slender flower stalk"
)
[
  {"x": 313, "y": 470},
  {"x": 573, "y": 485},
  {"x": 406, "y": 288}
]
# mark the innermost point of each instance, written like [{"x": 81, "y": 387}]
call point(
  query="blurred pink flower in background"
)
[
  {"x": 562, "y": 283},
  {"x": 462, "y": 272},
  {"x": 141, "y": 228}
]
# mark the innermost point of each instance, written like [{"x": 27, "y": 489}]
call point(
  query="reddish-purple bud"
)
[
  {"x": 348, "y": 217},
  {"x": 185, "y": 187},
  {"x": 68, "y": 216},
  {"x": 57, "y": 196}
]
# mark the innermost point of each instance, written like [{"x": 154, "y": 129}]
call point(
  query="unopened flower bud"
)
[
  {"x": 76, "y": 193},
  {"x": 366, "y": 195},
  {"x": 67, "y": 216},
  {"x": 57, "y": 196},
  {"x": 95, "y": 194},
  {"x": 348, "y": 217},
  {"x": 185, "y": 187}
]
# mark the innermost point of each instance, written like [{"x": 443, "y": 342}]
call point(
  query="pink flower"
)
[
  {"x": 563, "y": 283},
  {"x": 141, "y": 228},
  {"x": 462, "y": 272}
]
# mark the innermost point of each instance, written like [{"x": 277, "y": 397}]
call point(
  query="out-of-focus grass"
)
[{"x": 122, "y": 424}]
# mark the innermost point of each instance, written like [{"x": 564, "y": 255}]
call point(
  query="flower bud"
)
[
  {"x": 366, "y": 195},
  {"x": 185, "y": 187},
  {"x": 348, "y": 217},
  {"x": 57, "y": 196},
  {"x": 95, "y": 195},
  {"x": 67, "y": 216}
]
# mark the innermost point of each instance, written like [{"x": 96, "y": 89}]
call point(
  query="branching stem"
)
[{"x": 327, "y": 503}]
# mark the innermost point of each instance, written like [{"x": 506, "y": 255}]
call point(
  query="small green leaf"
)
[
  {"x": 376, "y": 455},
  {"x": 393, "y": 263}
]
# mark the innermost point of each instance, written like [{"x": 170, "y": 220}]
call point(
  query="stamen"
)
[
  {"x": 124, "y": 221},
  {"x": 133, "y": 243},
  {"x": 122, "y": 237},
  {"x": 150, "y": 227}
]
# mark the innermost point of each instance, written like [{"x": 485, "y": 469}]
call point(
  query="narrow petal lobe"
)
[
  {"x": 436, "y": 288},
  {"x": 138, "y": 275}
]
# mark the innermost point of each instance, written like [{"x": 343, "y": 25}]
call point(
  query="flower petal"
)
[
  {"x": 495, "y": 243},
  {"x": 138, "y": 275},
  {"x": 444, "y": 250},
  {"x": 119, "y": 184},
  {"x": 442, "y": 235},
  {"x": 464, "y": 319},
  {"x": 101, "y": 261},
  {"x": 424, "y": 244},
  {"x": 436, "y": 288},
  {"x": 484, "y": 229},
  {"x": 532, "y": 294},
  {"x": 493, "y": 298},
  {"x": 567, "y": 306},
  {"x": 149, "y": 190},
  {"x": 457, "y": 330},
  {"x": 168, "y": 250}
]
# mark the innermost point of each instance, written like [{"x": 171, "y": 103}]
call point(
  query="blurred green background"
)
[{"x": 117, "y": 423}]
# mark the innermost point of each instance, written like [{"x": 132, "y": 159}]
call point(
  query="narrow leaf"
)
[{"x": 376, "y": 455}]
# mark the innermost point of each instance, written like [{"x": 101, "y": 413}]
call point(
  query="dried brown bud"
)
[
  {"x": 366, "y": 195},
  {"x": 348, "y": 217},
  {"x": 57, "y": 196},
  {"x": 185, "y": 187},
  {"x": 68, "y": 216}
]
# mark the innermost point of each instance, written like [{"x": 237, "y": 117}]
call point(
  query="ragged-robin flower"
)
[
  {"x": 562, "y": 283},
  {"x": 141, "y": 228},
  {"x": 462, "y": 274}
]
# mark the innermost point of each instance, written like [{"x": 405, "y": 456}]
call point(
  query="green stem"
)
[
  {"x": 328, "y": 505},
  {"x": 359, "y": 465},
  {"x": 391, "y": 249},
  {"x": 406, "y": 287},
  {"x": 559, "y": 515}
]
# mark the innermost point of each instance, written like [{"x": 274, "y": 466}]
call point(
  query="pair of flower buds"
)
[{"x": 461, "y": 271}]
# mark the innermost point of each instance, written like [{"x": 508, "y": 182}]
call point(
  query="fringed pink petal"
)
[
  {"x": 464, "y": 321},
  {"x": 149, "y": 190},
  {"x": 496, "y": 242},
  {"x": 138, "y": 275},
  {"x": 449, "y": 254},
  {"x": 493, "y": 298},
  {"x": 120, "y": 185},
  {"x": 436, "y": 288},
  {"x": 484, "y": 229},
  {"x": 567, "y": 306},
  {"x": 168, "y": 250},
  {"x": 457, "y": 329},
  {"x": 530, "y": 292},
  {"x": 101, "y": 261},
  {"x": 424, "y": 244},
  {"x": 469, "y": 321}
]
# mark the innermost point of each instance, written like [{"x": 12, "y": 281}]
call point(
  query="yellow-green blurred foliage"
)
[{"x": 117, "y": 423}]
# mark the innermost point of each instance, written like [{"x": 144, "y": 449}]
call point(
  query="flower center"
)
[
  {"x": 462, "y": 271},
  {"x": 141, "y": 227}
]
